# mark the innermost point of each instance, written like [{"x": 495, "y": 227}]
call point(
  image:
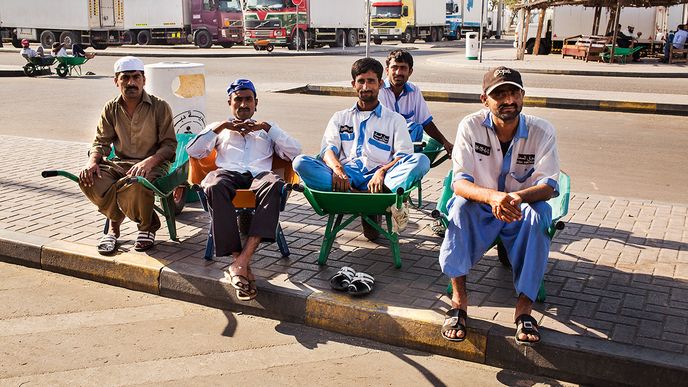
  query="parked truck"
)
[
  {"x": 202, "y": 22},
  {"x": 464, "y": 16},
  {"x": 408, "y": 20},
  {"x": 293, "y": 23},
  {"x": 96, "y": 23},
  {"x": 568, "y": 21}
]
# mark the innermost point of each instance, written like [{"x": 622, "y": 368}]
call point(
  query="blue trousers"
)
[
  {"x": 473, "y": 228},
  {"x": 317, "y": 175}
]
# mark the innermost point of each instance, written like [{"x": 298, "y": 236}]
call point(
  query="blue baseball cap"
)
[{"x": 241, "y": 84}]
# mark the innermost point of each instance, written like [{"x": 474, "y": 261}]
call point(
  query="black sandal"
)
[
  {"x": 453, "y": 323},
  {"x": 526, "y": 324}
]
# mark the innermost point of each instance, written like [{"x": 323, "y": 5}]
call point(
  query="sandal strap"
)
[
  {"x": 364, "y": 277},
  {"x": 108, "y": 238},
  {"x": 145, "y": 236},
  {"x": 528, "y": 323}
]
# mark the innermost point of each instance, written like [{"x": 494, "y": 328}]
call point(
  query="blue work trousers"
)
[
  {"x": 473, "y": 228},
  {"x": 407, "y": 171}
]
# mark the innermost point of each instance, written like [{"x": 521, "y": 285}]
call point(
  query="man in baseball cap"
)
[
  {"x": 140, "y": 127},
  {"x": 244, "y": 149},
  {"x": 505, "y": 168},
  {"x": 26, "y": 51}
]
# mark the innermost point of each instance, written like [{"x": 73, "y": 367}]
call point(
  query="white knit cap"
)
[{"x": 128, "y": 63}]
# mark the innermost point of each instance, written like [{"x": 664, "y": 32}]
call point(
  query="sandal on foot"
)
[
  {"x": 341, "y": 280},
  {"x": 247, "y": 295},
  {"x": 107, "y": 244},
  {"x": 239, "y": 282},
  {"x": 144, "y": 241},
  {"x": 361, "y": 285},
  {"x": 526, "y": 324},
  {"x": 453, "y": 323},
  {"x": 438, "y": 228}
]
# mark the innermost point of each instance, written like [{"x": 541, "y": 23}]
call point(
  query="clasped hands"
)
[
  {"x": 506, "y": 206},
  {"x": 341, "y": 183},
  {"x": 243, "y": 127},
  {"x": 92, "y": 169}
]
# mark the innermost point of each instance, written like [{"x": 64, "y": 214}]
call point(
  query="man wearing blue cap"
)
[{"x": 245, "y": 148}]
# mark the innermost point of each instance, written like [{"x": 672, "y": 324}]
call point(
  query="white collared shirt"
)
[
  {"x": 371, "y": 138},
  {"x": 410, "y": 103},
  {"x": 251, "y": 152},
  {"x": 27, "y": 52},
  {"x": 531, "y": 159}
]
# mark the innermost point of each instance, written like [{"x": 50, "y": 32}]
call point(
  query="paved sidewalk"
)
[{"x": 617, "y": 280}]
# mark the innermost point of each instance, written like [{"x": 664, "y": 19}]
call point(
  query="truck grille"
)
[
  {"x": 383, "y": 24},
  {"x": 262, "y": 34}
]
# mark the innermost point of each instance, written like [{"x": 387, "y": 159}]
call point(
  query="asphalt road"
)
[
  {"x": 617, "y": 154},
  {"x": 62, "y": 331}
]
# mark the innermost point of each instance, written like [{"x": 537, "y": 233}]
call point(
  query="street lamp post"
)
[{"x": 368, "y": 29}]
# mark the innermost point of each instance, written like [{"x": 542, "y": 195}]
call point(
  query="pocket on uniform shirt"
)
[
  {"x": 263, "y": 144},
  {"x": 523, "y": 178},
  {"x": 346, "y": 136}
]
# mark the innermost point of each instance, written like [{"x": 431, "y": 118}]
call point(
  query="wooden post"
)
[
  {"x": 525, "y": 33},
  {"x": 541, "y": 20},
  {"x": 610, "y": 23},
  {"x": 596, "y": 21},
  {"x": 520, "y": 50},
  {"x": 616, "y": 30}
]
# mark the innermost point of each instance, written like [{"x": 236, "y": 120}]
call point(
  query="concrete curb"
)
[
  {"x": 6, "y": 73},
  {"x": 577, "y": 359},
  {"x": 545, "y": 102}
]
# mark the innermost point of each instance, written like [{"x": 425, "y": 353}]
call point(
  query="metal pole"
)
[
  {"x": 368, "y": 30},
  {"x": 298, "y": 35},
  {"x": 480, "y": 42}
]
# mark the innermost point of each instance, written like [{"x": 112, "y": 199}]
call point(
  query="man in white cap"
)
[
  {"x": 140, "y": 128},
  {"x": 506, "y": 167},
  {"x": 245, "y": 148}
]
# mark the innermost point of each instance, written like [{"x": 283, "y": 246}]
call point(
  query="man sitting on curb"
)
[
  {"x": 245, "y": 148},
  {"x": 366, "y": 148},
  {"x": 506, "y": 167},
  {"x": 140, "y": 127}
]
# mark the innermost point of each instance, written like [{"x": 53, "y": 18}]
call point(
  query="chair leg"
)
[
  {"x": 281, "y": 241},
  {"x": 209, "y": 246},
  {"x": 106, "y": 227}
]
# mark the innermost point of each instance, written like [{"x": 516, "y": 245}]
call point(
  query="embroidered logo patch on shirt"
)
[
  {"x": 525, "y": 159},
  {"x": 346, "y": 129},
  {"x": 482, "y": 149},
  {"x": 381, "y": 137}
]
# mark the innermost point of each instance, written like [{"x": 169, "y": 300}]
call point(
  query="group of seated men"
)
[
  {"x": 58, "y": 50},
  {"x": 505, "y": 166}
]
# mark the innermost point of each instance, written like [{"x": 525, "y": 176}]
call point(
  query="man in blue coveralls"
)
[
  {"x": 366, "y": 148},
  {"x": 506, "y": 167}
]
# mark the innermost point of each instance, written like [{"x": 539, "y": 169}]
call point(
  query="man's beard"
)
[
  {"x": 367, "y": 97},
  {"x": 510, "y": 115}
]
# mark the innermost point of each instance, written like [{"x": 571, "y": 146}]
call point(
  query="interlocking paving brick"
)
[{"x": 618, "y": 271}]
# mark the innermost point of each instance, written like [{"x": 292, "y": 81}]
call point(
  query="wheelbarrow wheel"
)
[
  {"x": 62, "y": 70},
  {"x": 179, "y": 198},
  {"x": 270, "y": 47},
  {"x": 503, "y": 257},
  {"x": 29, "y": 69}
]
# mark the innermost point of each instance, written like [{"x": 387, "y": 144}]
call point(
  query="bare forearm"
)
[
  {"x": 473, "y": 192},
  {"x": 432, "y": 131},
  {"x": 540, "y": 192},
  {"x": 389, "y": 165},
  {"x": 331, "y": 160}
]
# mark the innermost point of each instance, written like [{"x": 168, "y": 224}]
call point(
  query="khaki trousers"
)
[{"x": 116, "y": 198}]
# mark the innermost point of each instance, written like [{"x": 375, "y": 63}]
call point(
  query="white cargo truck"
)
[
  {"x": 408, "y": 20},
  {"x": 464, "y": 16},
  {"x": 320, "y": 22},
  {"x": 96, "y": 23},
  {"x": 567, "y": 21}
]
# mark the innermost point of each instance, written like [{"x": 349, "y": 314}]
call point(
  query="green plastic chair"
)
[
  {"x": 559, "y": 204},
  {"x": 432, "y": 149},
  {"x": 335, "y": 205},
  {"x": 163, "y": 187}
]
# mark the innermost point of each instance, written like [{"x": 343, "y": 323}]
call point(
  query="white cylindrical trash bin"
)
[
  {"x": 182, "y": 85},
  {"x": 472, "y": 46}
]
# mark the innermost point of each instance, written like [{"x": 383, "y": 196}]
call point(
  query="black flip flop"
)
[
  {"x": 107, "y": 244},
  {"x": 452, "y": 322},
  {"x": 526, "y": 324}
]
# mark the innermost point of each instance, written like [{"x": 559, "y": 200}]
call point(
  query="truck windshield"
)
[
  {"x": 229, "y": 6},
  {"x": 266, "y": 4},
  {"x": 392, "y": 11}
]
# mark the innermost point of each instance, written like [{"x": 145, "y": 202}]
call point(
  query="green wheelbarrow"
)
[
  {"x": 335, "y": 205},
  {"x": 69, "y": 64},
  {"x": 36, "y": 65},
  {"x": 170, "y": 190},
  {"x": 559, "y": 204},
  {"x": 432, "y": 149}
]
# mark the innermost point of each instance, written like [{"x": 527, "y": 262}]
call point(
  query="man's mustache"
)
[
  {"x": 512, "y": 105},
  {"x": 131, "y": 88}
]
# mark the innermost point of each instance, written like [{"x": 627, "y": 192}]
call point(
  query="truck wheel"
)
[
  {"x": 352, "y": 38},
  {"x": 407, "y": 37},
  {"x": 377, "y": 41},
  {"x": 203, "y": 39},
  {"x": 128, "y": 37},
  {"x": 340, "y": 37},
  {"x": 68, "y": 38},
  {"x": 47, "y": 39},
  {"x": 144, "y": 38}
]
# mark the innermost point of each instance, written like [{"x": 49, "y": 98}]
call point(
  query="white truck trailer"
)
[
  {"x": 408, "y": 20},
  {"x": 96, "y": 23},
  {"x": 464, "y": 16},
  {"x": 146, "y": 21},
  {"x": 567, "y": 21}
]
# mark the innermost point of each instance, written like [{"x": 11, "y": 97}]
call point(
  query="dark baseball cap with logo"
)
[{"x": 501, "y": 76}]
